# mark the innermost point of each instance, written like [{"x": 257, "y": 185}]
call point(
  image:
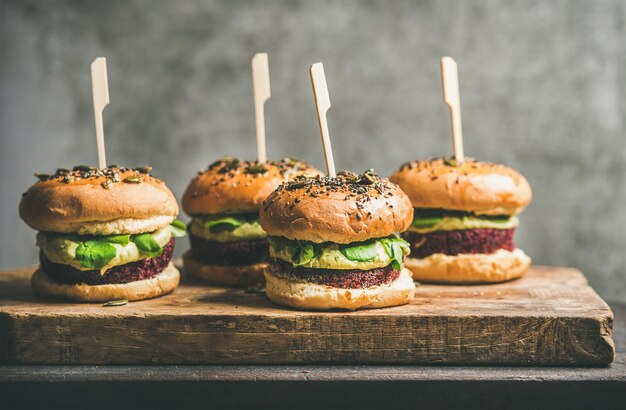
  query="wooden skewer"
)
[
  {"x": 261, "y": 85},
  {"x": 450, "y": 79},
  {"x": 322, "y": 104},
  {"x": 100, "y": 88}
]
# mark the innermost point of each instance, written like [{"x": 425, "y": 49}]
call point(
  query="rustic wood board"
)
[{"x": 549, "y": 317}]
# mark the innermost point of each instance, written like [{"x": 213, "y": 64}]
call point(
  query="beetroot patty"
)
[
  {"x": 482, "y": 240},
  {"x": 131, "y": 272},
  {"x": 337, "y": 278},
  {"x": 236, "y": 253}
]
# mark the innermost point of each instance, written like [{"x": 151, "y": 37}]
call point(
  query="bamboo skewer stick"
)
[
  {"x": 322, "y": 104},
  {"x": 450, "y": 79},
  {"x": 100, "y": 88},
  {"x": 261, "y": 86}
]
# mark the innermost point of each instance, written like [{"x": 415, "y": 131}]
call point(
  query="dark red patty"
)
[
  {"x": 236, "y": 253},
  {"x": 131, "y": 272},
  {"x": 347, "y": 279},
  {"x": 482, "y": 240}
]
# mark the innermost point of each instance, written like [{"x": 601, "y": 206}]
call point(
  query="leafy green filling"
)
[
  {"x": 424, "y": 218},
  {"x": 226, "y": 223},
  {"x": 360, "y": 253},
  {"x": 94, "y": 252},
  {"x": 146, "y": 243},
  {"x": 178, "y": 229},
  {"x": 396, "y": 248},
  {"x": 120, "y": 239},
  {"x": 302, "y": 252}
]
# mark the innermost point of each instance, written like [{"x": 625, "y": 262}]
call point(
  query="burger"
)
[
  {"x": 228, "y": 245},
  {"x": 464, "y": 220},
  {"x": 104, "y": 234},
  {"x": 333, "y": 243}
]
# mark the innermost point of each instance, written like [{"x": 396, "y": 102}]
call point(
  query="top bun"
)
[
  {"x": 232, "y": 186},
  {"x": 479, "y": 187},
  {"x": 347, "y": 208},
  {"x": 94, "y": 201}
]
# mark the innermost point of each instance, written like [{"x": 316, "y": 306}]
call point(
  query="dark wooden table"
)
[
  {"x": 551, "y": 317},
  {"x": 319, "y": 387}
]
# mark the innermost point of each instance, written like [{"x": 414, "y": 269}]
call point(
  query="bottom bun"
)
[
  {"x": 161, "y": 284},
  {"x": 236, "y": 276},
  {"x": 310, "y": 296},
  {"x": 470, "y": 268}
]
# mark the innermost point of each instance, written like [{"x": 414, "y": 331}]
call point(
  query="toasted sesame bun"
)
[
  {"x": 235, "y": 276},
  {"x": 161, "y": 284},
  {"x": 99, "y": 202},
  {"x": 233, "y": 186},
  {"x": 473, "y": 186},
  {"x": 347, "y": 208},
  {"x": 309, "y": 296},
  {"x": 470, "y": 268}
]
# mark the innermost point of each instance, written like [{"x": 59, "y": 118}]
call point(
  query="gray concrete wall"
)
[{"x": 543, "y": 86}]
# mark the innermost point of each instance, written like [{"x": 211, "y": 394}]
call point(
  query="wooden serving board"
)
[{"x": 549, "y": 317}]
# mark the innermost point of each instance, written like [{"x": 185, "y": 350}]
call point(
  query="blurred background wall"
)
[{"x": 543, "y": 87}]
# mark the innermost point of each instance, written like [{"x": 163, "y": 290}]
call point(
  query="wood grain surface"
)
[{"x": 549, "y": 317}]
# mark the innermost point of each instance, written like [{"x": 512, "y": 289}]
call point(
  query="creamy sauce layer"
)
[
  {"x": 62, "y": 249},
  {"x": 245, "y": 231},
  {"x": 449, "y": 223},
  {"x": 331, "y": 257}
]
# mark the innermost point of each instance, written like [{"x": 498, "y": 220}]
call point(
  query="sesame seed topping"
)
[
  {"x": 449, "y": 162},
  {"x": 358, "y": 188},
  {"x": 229, "y": 167},
  {"x": 111, "y": 174}
]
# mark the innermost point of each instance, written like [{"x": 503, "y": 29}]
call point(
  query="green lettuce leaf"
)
[
  {"x": 119, "y": 239},
  {"x": 422, "y": 223},
  {"x": 360, "y": 253},
  {"x": 178, "y": 229},
  {"x": 428, "y": 217},
  {"x": 227, "y": 223},
  {"x": 495, "y": 219},
  {"x": 282, "y": 243},
  {"x": 303, "y": 254},
  {"x": 95, "y": 254},
  {"x": 395, "y": 248},
  {"x": 147, "y": 244}
]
